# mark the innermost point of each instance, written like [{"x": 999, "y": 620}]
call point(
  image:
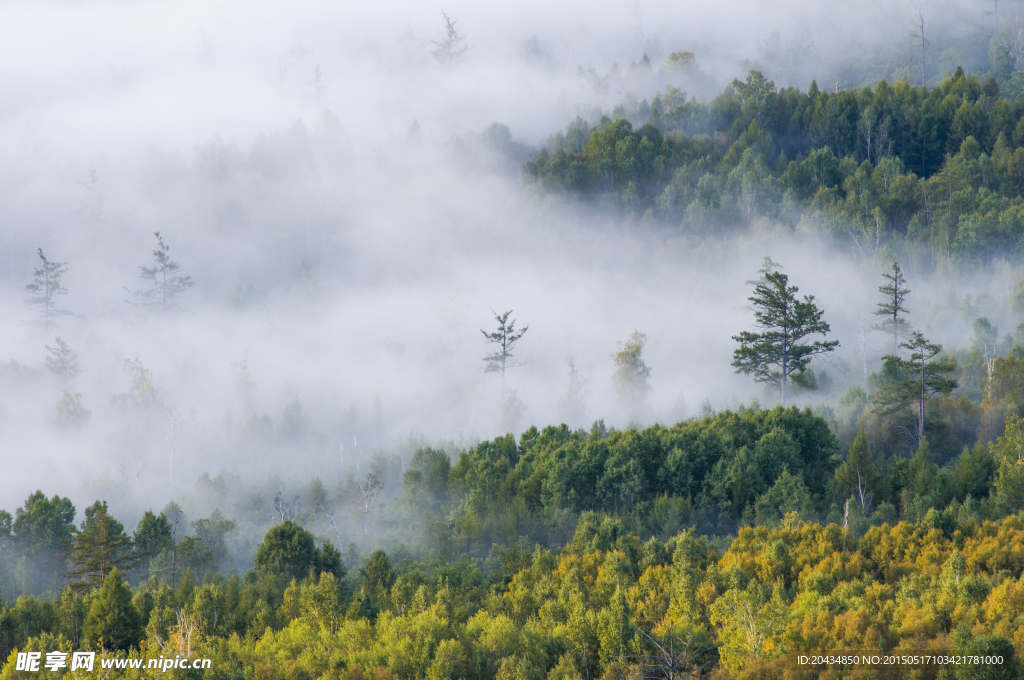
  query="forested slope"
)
[
  {"x": 935, "y": 174},
  {"x": 564, "y": 555}
]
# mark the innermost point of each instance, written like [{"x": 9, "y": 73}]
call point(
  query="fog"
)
[{"x": 350, "y": 228}]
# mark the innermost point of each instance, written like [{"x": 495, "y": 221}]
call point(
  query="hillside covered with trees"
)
[
  {"x": 930, "y": 174},
  {"x": 565, "y": 554}
]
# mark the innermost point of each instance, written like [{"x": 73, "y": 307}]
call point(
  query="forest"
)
[
  {"x": 929, "y": 174},
  {"x": 312, "y": 369},
  {"x": 569, "y": 555}
]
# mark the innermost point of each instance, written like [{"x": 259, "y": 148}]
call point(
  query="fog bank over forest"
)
[{"x": 350, "y": 217}]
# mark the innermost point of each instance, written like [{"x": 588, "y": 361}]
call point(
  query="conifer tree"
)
[
  {"x": 62, "y": 362},
  {"x": 918, "y": 379},
  {"x": 153, "y": 536},
  {"x": 506, "y": 337},
  {"x": 449, "y": 51},
  {"x": 100, "y": 547},
  {"x": 45, "y": 288},
  {"x": 780, "y": 351},
  {"x": 113, "y": 622},
  {"x": 890, "y": 309},
  {"x": 572, "y": 407},
  {"x": 165, "y": 279}
]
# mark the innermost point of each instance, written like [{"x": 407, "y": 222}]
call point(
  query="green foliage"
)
[
  {"x": 70, "y": 413},
  {"x": 505, "y": 337},
  {"x": 858, "y": 475},
  {"x": 915, "y": 380},
  {"x": 779, "y": 352},
  {"x": 894, "y": 293},
  {"x": 62, "y": 362},
  {"x": 289, "y": 552},
  {"x": 153, "y": 536},
  {"x": 632, "y": 375},
  {"x": 41, "y": 530},
  {"x": 100, "y": 547},
  {"x": 935, "y": 173},
  {"x": 112, "y": 622}
]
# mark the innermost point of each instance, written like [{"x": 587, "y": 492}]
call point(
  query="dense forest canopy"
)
[
  {"x": 529, "y": 558},
  {"x": 312, "y": 370},
  {"x": 928, "y": 173}
]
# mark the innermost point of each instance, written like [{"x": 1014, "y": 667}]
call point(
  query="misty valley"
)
[{"x": 609, "y": 343}]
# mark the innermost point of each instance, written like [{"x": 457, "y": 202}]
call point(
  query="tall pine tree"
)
[
  {"x": 780, "y": 350},
  {"x": 892, "y": 306},
  {"x": 98, "y": 548},
  {"x": 45, "y": 288}
]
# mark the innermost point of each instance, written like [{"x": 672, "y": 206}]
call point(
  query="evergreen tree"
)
[
  {"x": 166, "y": 282},
  {"x": 45, "y": 288},
  {"x": 858, "y": 475},
  {"x": 918, "y": 378},
  {"x": 378, "y": 575},
  {"x": 1009, "y": 452},
  {"x": 780, "y": 351},
  {"x": 890, "y": 309},
  {"x": 113, "y": 622},
  {"x": 506, "y": 338},
  {"x": 42, "y": 529},
  {"x": 63, "y": 362},
  {"x": 99, "y": 547},
  {"x": 153, "y": 536},
  {"x": 922, "y": 473},
  {"x": 288, "y": 551},
  {"x": 450, "y": 50}
]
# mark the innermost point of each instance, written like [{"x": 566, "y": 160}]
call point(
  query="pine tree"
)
[
  {"x": 506, "y": 338},
  {"x": 99, "y": 548},
  {"x": 45, "y": 288},
  {"x": 780, "y": 350},
  {"x": 167, "y": 283},
  {"x": 918, "y": 379},
  {"x": 895, "y": 292},
  {"x": 153, "y": 536},
  {"x": 449, "y": 51},
  {"x": 63, "y": 362}
]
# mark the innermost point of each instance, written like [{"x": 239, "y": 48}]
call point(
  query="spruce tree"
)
[{"x": 153, "y": 536}]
